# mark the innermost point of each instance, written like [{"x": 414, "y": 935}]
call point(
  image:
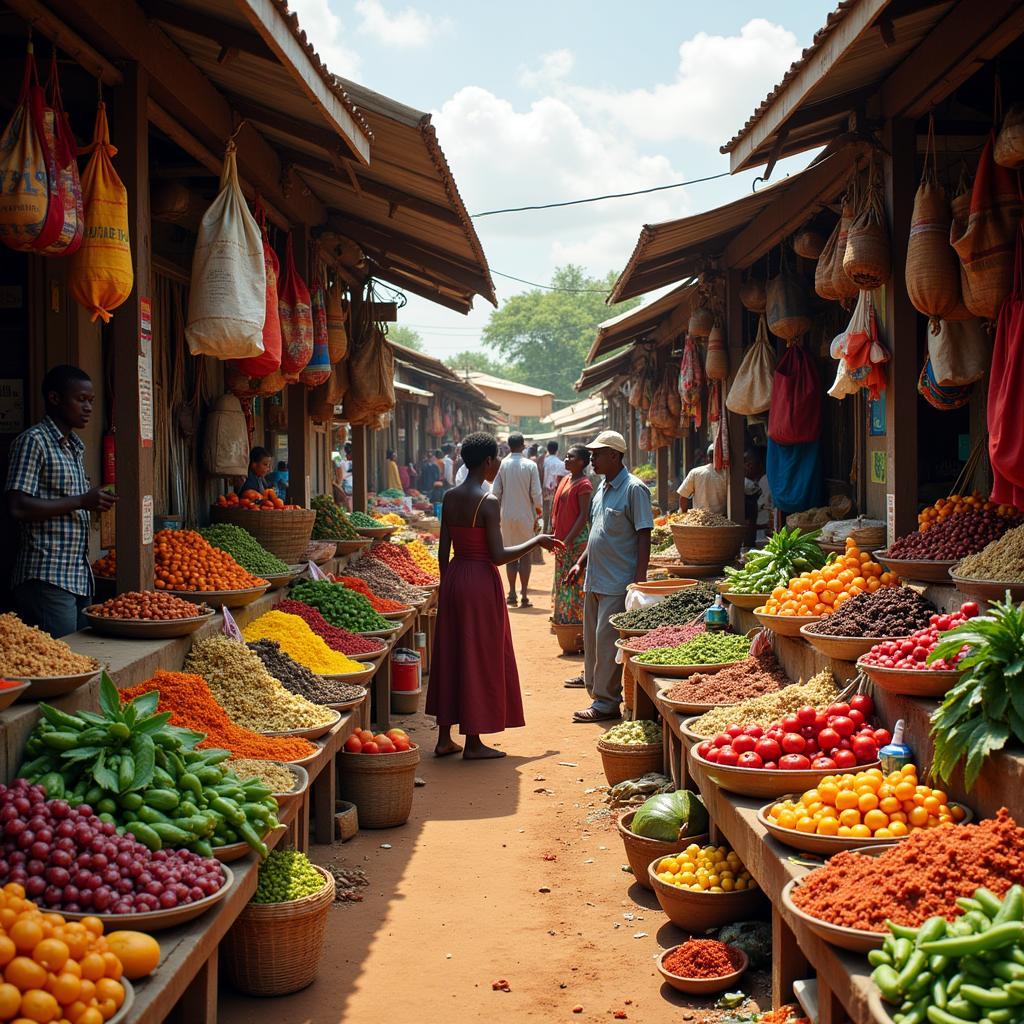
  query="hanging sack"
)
[
  {"x": 753, "y": 295},
  {"x": 296, "y": 320},
  {"x": 844, "y": 384},
  {"x": 1009, "y": 148},
  {"x": 794, "y": 475},
  {"x": 809, "y": 243},
  {"x": 938, "y": 396},
  {"x": 319, "y": 404},
  {"x": 862, "y": 349},
  {"x": 337, "y": 386},
  {"x": 691, "y": 383},
  {"x": 825, "y": 267},
  {"x": 272, "y": 384},
  {"x": 337, "y": 333},
  {"x": 787, "y": 311},
  {"x": 842, "y": 286},
  {"x": 795, "y": 413},
  {"x": 100, "y": 276},
  {"x": 701, "y": 322},
  {"x": 61, "y": 142},
  {"x": 985, "y": 246},
  {"x": 1006, "y": 386},
  {"x": 227, "y": 302},
  {"x": 716, "y": 366},
  {"x": 751, "y": 391},
  {"x": 30, "y": 215},
  {"x": 238, "y": 382},
  {"x": 371, "y": 390},
  {"x": 226, "y": 441},
  {"x": 960, "y": 353},
  {"x": 318, "y": 369},
  {"x": 675, "y": 404},
  {"x": 660, "y": 416},
  {"x": 269, "y": 360},
  {"x": 867, "y": 260}
]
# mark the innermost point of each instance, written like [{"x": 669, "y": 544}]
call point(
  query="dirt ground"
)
[{"x": 457, "y": 898}]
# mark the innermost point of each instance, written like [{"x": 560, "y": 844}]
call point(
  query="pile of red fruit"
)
[
  {"x": 841, "y": 736},
  {"x": 362, "y": 741},
  {"x": 912, "y": 652},
  {"x": 68, "y": 859},
  {"x": 955, "y": 537}
]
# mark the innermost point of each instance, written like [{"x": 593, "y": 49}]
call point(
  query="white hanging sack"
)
[{"x": 960, "y": 352}]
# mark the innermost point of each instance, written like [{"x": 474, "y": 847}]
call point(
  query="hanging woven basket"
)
[{"x": 867, "y": 261}]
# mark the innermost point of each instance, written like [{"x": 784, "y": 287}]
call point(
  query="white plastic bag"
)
[
  {"x": 751, "y": 390},
  {"x": 960, "y": 353},
  {"x": 227, "y": 299}
]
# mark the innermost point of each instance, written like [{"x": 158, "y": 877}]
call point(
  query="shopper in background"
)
[
  {"x": 552, "y": 470},
  {"x": 757, "y": 489},
  {"x": 394, "y": 478},
  {"x": 517, "y": 488},
  {"x": 407, "y": 471},
  {"x": 260, "y": 461},
  {"x": 448, "y": 464},
  {"x": 279, "y": 480},
  {"x": 49, "y": 496},
  {"x": 705, "y": 487},
  {"x": 617, "y": 553}
]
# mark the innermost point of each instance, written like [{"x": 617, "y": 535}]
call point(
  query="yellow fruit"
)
[{"x": 876, "y": 820}]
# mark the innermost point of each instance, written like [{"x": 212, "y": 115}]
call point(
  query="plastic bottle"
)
[
  {"x": 716, "y": 618},
  {"x": 896, "y": 754}
]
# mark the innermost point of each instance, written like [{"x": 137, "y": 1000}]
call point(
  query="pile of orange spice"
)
[
  {"x": 379, "y": 604},
  {"x": 193, "y": 706}
]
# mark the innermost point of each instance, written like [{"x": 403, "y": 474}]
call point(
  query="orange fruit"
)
[
  {"x": 39, "y": 1006},
  {"x": 52, "y": 954},
  {"x": 25, "y": 973},
  {"x": 10, "y": 1000},
  {"x": 26, "y": 934},
  {"x": 92, "y": 924},
  {"x": 91, "y": 1016},
  {"x": 108, "y": 988},
  {"x": 65, "y": 988},
  {"x": 846, "y": 799},
  {"x": 850, "y": 817},
  {"x": 876, "y": 820},
  {"x": 7, "y": 950}
]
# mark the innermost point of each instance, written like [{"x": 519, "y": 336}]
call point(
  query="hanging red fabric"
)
[
  {"x": 1006, "y": 386},
  {"x": 68, "y": 186},
  {"x": 795, "y": 413},
  {"x": 270, "y": 359}
]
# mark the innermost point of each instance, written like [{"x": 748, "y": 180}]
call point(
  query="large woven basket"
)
[
  {"x": 570, "y": 636},
  {"x": 708, "y": 545},
  {"x": 284, "y": 533},
  {"x": 380, "y": 785},
  {"x": 275, "y": 948},
  {"x": 623, "y": 761}
]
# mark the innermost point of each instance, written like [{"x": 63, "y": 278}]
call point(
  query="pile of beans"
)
[
  {"x": 28, "y": 653},
  {"x": 340, "y": 606},
  {"x": 888, "y": 611},
  {"x": 298, "y": 679},
  {"x": 919, "y": 878},
  {"x": 331, "y": 521},
  {"x": 273, "y": 775},
  {"x": 702, "y": 517},
  {"x": 335, "y": 637},
  {"x": 244, "y": 548},
  {"x": 148, "y": 604},
  {"x": 300, "y": 643},
  {"x": 665, "y": 636},
  {"x": 955, "y": 537},
  {"x": 676, "y": 610},
  {"x": 753, "y": 677},
  {"x": 1002, "y": 560},
  {"x": 704, "y": 649},
  {"x": 287, "y": 875},
  {"x": 249, "y": 694},
  {"x": 703, "y": 958},
  {"x": 818, "y": 692},
  {"x": 384, "y": 580},
  {"x": 395, "y": 557}
]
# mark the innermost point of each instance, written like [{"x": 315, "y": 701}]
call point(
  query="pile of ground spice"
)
[
  {"x": 920, "y": 877},
  {"x": 703, "y": 958},
  {"x": 336, "y": 637},
  {"x": 665, "y": 636},
  {"x": 753, "y": 677}
]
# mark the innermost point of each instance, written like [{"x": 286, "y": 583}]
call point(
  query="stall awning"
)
[
  {"x": 515, "y": 399},
  {"x": 571, "y": 413},
  {"x": 604, "y": 371},
  {"x": 408, "y": 389},
  {"x": 644, "y": 322},
  {"x": 903, "y": 57},
  {"x": 434, "y": 369},
  {"x": 584, "y": 427}
]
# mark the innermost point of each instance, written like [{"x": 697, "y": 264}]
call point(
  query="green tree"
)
[
  {"x": 482, "y": 362},
  {"x": 545, "y": 335},
  {"x": 402, "y": 335}
]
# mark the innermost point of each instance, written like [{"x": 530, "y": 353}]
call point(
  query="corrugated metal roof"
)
[
  {"x": 502, "y": 384},
  {"x": 582, "y": 409},
  {"x": 641, "y": 321}
]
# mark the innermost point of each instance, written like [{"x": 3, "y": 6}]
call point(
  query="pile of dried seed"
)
[{"x": 299, "y": 679}]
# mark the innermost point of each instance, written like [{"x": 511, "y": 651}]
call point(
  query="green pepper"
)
[
  {"x": 186, "y": 780},
  {"x": 62, "y": 740},
  {"x": 1008, "y": 970},
  {"x": 934, "y": 928},
  {"x": 53, "y": 783},
  {"x": 209, "y": 775},
  {"x": 106, "y": 806},
  {"x": 990, "y": 902},
  {"x": 1013, "y": 906},
  {"x": 987, "y": 997},
  {"x": 917, "y": 1013},
  {"x": 161, "y": 799},
  {"x": 963, "y": 1010},
  {"x": 939, "y": 1016},
  {"x": 202, "y": 847},
  {"x": 902, "y": 948},
  {"x": 249, "y": 835},
  {"x": 1011, "y": 933},
  {"x": 119, "y": 730},
  {"x": 150, "y": 815},
  {"x": 171, "y": 834},
  {"x": 126, "y": 773},
  {"x": 130, "y": 801},
  {"x": 229, "y": 809},
  {"x": 914, "y": 966},
  {"x": 966, "y": 903},
  {"x": 939, "y": 997}
]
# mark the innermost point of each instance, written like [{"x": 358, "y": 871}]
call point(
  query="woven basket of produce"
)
[
  {"x": 708, "y": 545},
  {"x": 569, "y": 636},
  {"x": 640, "y": 850},
  {"x": 275, "y": 948},
  {"x": 380, "y": 785},
  {"x": 623, "y": 761},
  {"x": 284, "y": 532}
]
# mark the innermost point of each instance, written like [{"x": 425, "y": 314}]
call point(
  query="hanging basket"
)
[
  {"x": 753, "y": 295},
  {"x": 275, "y": 948},
  {"x": 867, "y": 260},
  {"x": 843, "y": 288},
  {"x": 809, "y": 243},
  {"x": 701, "y": 322}
]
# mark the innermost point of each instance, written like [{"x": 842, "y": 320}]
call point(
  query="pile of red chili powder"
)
[
  {"x": 920, "y": 877},
  {"x": 703, "y": 958}
]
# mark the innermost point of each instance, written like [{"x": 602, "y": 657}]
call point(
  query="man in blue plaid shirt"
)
[{"x": 49, "y": 496}]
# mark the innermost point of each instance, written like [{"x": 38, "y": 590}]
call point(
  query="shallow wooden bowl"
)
[
  {"x": 844, "y": 648},
  {"x": 856, "y": 940},
  {"x": 746, "y": 601},
  {"x": 784, "y": 625},
  {"x": 931, "y": 570},
  {"x": 702, "y": 911},
  {"x": 228, "y": 598},
  {"x": 46, "y": 687},
  {"x": 909, "y": 682},
  {"x": 701, "y": 986},
  {"x": 312, "y": 733},
  {"x": 145, "y": 629},
  {"x": 988, "y": 590},
  {"x": 640, "y": 850}
]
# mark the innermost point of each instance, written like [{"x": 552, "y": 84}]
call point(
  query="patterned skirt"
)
[{"x": 568, "y": 598}]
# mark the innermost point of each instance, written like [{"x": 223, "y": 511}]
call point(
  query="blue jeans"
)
[{"x": 51, "y": 608}]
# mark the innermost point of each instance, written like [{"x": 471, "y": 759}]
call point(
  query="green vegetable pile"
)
[
  {"x": 361, "y": 519},
  {"x": 951, "y": 972},
  {"x": 670, "y": 816},
  {"x": 985, "y": 709},
  {"x": 145, "y": 776},
  {"x": 331, "y": 520},
  {"x": 703, "y": 649},
  {"x": 340, "y": 606},
  {"x": 633, "y": 734},
  {"x": 677, "y": 610},
  {"x": 244, "y": 548},
  {"x": 786, "y": 554},
  {"x": 391, "y": 492},
  {"x": 287, "y": 875}
]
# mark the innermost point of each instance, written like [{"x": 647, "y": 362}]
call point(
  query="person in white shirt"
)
[
  {"x": 554, "y": 470},
  {"x": 517, "y": 488},
  {"x": 706, "y": 486},
  {"x": 449, "y": 465},
  {"x": 463, "y": 472},
  {"x": 756, "y": 486}
]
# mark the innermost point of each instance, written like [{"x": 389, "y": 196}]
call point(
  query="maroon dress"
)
[{"x": 474, "y": 682}]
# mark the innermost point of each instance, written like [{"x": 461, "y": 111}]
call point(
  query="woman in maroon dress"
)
[{"x": 474, "y": 682}]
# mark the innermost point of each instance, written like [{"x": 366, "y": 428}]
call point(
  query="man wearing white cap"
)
[{"x": 616, "y": 555}]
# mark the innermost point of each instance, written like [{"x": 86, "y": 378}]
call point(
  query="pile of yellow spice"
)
[{"x": 300, "y": 643}]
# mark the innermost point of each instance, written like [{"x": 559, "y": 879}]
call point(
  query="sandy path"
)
[{"x": 454, "y": 904}]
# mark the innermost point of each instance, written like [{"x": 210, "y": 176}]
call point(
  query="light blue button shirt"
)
[{"x": 617, "y": 511}]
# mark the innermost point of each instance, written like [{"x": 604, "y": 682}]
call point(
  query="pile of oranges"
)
[
  {"x": 187, "y": 562},
  {"x": 868, "y": 805},
  {"x": 955, "y": 503},
  {"x": 265, "y": 501},
  {"x": 821, "y": 591},
  {"x": 54, "y": 970}
]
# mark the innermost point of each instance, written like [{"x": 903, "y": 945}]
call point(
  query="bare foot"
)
[
  {"x": 481, "y": 752},
  {"x": 446, "y": 749}
]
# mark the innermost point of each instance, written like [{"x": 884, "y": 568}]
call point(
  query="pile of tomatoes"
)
[
  {"x": 362, "y": 741},
  {"x": 267, "y": 501},
  {"x": 841, "y": 736},
  {"x": 912, "y": 652}
]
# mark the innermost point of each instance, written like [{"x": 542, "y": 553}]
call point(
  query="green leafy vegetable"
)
[
  {"x": 786, "y": 554},
  {"x": 670, "y": 816}
]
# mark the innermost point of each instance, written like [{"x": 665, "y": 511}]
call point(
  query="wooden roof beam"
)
[
  {"x": 447, "y": 276},
  {"x": 202, "y": 24},
  {"x": 322, "y": 138},
  {"x": 396, "y": 277}
]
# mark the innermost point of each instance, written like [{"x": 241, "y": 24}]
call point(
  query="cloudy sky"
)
[{"x": 542, "y": 102}]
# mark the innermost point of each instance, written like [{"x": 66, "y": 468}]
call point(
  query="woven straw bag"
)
[
  {"x": 753, "y": 296},
  {"x": 867, "y": 260},
  {"x": 716, "y": 365},
  {"x": 1009, "y": 149},
  {"x": 808, "y": 243},
  {"x": 843, "y": 287},
  {"x": 701, "y": 322},
  {"x": 825, "y": 267},
  {"x": 787, "y": 313}
]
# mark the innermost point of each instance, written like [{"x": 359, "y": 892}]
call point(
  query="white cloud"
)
[
  {"x": 326, "y": 31},
  {"x": 554, "y": 66},
  {"x": 406, "y": 29}
]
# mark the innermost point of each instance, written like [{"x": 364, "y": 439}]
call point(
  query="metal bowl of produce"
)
[
  {"x": 931, "y": 570},
  {"x": 988, "y": 590},
  {"x": 312, "y": 732}
]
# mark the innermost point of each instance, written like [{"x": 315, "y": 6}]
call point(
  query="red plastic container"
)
[{"x": 405, "y": 670}]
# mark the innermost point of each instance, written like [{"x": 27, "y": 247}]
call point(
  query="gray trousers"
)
[{"x": 602, "y": 674}]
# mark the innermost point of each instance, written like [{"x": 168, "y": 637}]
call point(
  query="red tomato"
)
[
  {"x": 402, "y": 743},
  {"x": 734, "y": 730},
  {"x": 793, "y": 743},
  {"x": 843, "y": 725},
  {"x": 864, "y": 704},
  {"x": 754, "y": 730},
  {"x": 743, "y": 744},
  {"x": 723, "y": 739},
  {"x": 748, "y": 759},
  {"x": 882, "y": 737},
  {"x": 370, "y": 748},
  {"x": 353, "y": 744},
  {"x": 844, "y": 758},
  {"x": 386, "y": 746},
  {"x": 823, "y": 762},
  {"x": 703, "y": 747},
  {"x": 865, "y": 749},
  {"x": 768, "y": 749},
  {"x": 728, "y": 756},
  {"x": 806, "y": 715},
  {"x": 365, "y": 735},
  {"x": 794, "y": 762},
  {"x": 828, "y": 739}
]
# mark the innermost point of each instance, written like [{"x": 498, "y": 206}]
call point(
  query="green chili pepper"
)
[
  {"x": 914, "y": 966},
  {"x": 939, "y": 997},
  {"x": 1011, "y": 933},
  {"x": 888, "y": 982},
  {"x": 1013, "y": 906},
  {"x": 902, "y": 949},
  {"x": 901, "y": 931},
  {"x": 990, "y": 902},
  {"x": 988, "y": 997}
]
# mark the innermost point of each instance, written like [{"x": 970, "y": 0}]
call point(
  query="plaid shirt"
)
[{"x": 47, "y": 464}]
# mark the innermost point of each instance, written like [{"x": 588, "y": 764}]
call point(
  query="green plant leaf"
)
[
  {"x": 103, "y": 776},
  {"x": 110, "y": 700},
  {"x": 146, "y": 703},
  {"x": 986, "y": 738},
  {"x": 144, "y": 752}
]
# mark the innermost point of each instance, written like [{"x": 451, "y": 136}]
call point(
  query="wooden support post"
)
[
  {"x": 900, "y": 334},
  {"x": 198, "y": 1004},
  {"x": 133, "y": 344},
  {"x": 359, "y": 456},
  {"x": 788, "y": 962},
  {"x": 663, "y": 453},
  {"x": 734, "y": 341}
]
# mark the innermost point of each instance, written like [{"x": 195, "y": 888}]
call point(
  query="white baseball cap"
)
[{"x": 609, "y": 439}]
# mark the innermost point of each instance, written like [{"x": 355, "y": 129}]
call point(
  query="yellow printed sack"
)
[{"x": 101, "y": 274}]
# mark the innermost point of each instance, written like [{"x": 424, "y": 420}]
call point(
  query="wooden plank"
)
[
  {"x": 134, "y": 456},
  {"x": 855, "y": 24},
  {"x": 360, "y": 450},
  {"x": 198, "y": 1004},
  {"x": 271, "y": 24},
  {"x": 662, "y": 458},
  {"x": 253, "y": 111},
  {"x": 734, "y": 318}
]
